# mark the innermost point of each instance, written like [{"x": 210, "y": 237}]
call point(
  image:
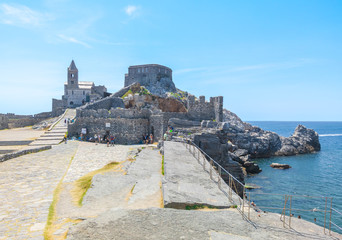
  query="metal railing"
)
[
  {"x": 235, "y": 189},
  {"x": 237, "y": 194}
]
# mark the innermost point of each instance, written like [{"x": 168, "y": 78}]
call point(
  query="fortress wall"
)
[
  {"x": 3, "y": 121},
  {"x": 157, "y": 126},
  {"x": 58, "y": 106},
  {"x": 126, "y": 131},
  {"x": 218, "y": 108},
  {"x": 114, "y": 113},
  {"x": 156, "y": 78},
  {"x": 23, "y": 122},
  {"x": 105, "y": 103},
  {"x": 201, "y": 110},
  {"x": 43, "y": 115},
  {"x": 146, "y": 74}
]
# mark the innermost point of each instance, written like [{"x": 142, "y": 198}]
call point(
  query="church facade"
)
[{"x": 77, "y": 93}]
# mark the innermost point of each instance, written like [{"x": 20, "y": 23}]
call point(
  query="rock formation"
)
[{"x": 280, "y": 166}]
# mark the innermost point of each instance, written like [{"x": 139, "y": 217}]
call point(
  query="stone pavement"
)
[
  {"x": 167, "y": 223},
  {"x": 186, "y": 183},
  {"x": 26, "y": 189},
  {"x": 135, "y": 183}
]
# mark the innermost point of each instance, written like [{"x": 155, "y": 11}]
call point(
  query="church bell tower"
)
[{"x": 72, "y": 75}]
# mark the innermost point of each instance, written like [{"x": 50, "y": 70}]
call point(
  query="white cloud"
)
[
  {"x": 73, "y": 40},
  {"x": 131, "y": 10},
  {"x": 20, "y": 15}
]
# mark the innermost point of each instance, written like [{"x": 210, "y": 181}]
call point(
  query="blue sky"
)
[{"x": 271, "y": 60}]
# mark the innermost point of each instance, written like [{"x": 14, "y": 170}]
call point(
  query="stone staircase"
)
[{"x": 56, "y": 133}]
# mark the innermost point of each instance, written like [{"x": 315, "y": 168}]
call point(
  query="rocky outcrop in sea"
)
[{"x": 235, "y": 144}]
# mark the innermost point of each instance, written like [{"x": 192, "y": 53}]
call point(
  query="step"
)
[
  {"x": 49, "y": 139},
  {"x": 52, "y": 135}
]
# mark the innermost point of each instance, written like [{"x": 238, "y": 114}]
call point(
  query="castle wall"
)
[
  {"x": 43, "y": 115},
  {"x": 100, "y": 90},
  {"x": 201, "y": 110},
  {"x": 218, "y": 108},
  {"x": 58, "y": 106},
  {"x": 105, "y": 103},
  {"x": 23, "y": 122},
  {"x": 156, "y": 78},
  {"x": 126, "y": 131},
  {"x": 115, "y": 113},
  {"x": 3, "y": 121}
]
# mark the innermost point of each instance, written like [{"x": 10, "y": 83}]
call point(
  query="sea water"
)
[{"x": 316, "y": 174}]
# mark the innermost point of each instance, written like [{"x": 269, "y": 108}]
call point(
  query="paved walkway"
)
[
  {"x": 186, "y": 182},
  {"x": 134, "y": 183},
  {"x": 17, "y": 138},
  {"x": 26, "y": 189}
]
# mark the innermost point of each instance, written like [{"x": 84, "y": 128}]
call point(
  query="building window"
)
[
  {"x": 72, "y": 75},
  {"x": 83, "y": 92},
  {"x": 138, "y": 70},
  {"x": 142, "y": 69},
  {"x": 165, "y": 71},
  {"x": 146, "y": 70},
  {"x": 159, "y": 69},
  {"x": 72, "y": 82},
  {"x": 71, "y": 103},
  {"x": 72, "y": 92}
]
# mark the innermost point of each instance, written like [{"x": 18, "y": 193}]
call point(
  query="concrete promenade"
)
[{"x": 186, "y": 183}]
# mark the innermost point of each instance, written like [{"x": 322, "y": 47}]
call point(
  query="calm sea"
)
[{"x": 317, "y": 174}]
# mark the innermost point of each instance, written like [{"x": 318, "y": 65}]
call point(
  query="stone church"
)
[{"x": 77, "y": 93}]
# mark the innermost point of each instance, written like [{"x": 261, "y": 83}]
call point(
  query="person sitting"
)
[
  {"x": 151, "y": 138},
  {"x": 146, "y": 139}
]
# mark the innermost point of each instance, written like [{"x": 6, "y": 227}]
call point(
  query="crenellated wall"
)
[{"x": 202, "y": 110}]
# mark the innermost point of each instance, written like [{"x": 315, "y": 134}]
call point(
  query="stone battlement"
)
[{"x": 203, "y": 110}]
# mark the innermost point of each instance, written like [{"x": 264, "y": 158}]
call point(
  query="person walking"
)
[{"x": 65, "y": 137}]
